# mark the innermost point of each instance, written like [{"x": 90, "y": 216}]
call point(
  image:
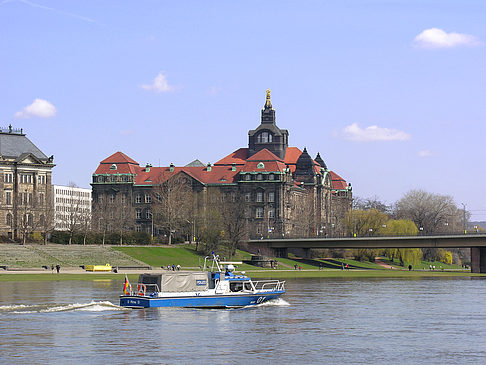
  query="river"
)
[{"x": 332, "y": 321}]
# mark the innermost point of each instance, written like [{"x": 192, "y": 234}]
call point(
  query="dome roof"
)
[
  {"x": 304, "y": 165},
  {"x": 320, "y": 161}
]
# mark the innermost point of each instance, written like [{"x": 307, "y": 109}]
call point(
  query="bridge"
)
[{"x": 477, "y": 243}]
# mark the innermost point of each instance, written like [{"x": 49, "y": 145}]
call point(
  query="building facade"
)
[
  {"x": 25, "y": 182},
  {"x": 282, "y": 190},
  {"x": 72, "y": 207}
]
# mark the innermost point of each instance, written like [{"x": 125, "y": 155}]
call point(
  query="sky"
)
[{"x": 391, "y": 93}]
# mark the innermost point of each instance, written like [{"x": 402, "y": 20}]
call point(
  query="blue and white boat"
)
[{"x": 219, "y": 287}]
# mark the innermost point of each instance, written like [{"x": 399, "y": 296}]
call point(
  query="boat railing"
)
[
  {"x": 269, "y": 285},
  {"x": 144, "y": 289}
]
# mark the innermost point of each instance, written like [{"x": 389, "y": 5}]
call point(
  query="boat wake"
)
[
  {"x": 53, "y": 308},
  {"x": 279, "y": 302}
]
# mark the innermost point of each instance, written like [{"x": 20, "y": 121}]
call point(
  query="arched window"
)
[
  {"x": 264, "y": 137},
  {"x": 9, "y": 220}
]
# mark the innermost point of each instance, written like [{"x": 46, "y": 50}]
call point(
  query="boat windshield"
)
[{"x": 237, "y": 286}]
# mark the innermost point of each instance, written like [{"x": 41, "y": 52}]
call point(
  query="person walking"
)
[{"x": 58, "y": 267}]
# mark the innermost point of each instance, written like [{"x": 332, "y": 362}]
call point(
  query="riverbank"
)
[{"x": 76, "y": 275}]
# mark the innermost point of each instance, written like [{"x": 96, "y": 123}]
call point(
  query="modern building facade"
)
[
  {"x": 282, "y": 190},
  {"x": 25, "y": 182},
  {"x": 72, "y": 207}
]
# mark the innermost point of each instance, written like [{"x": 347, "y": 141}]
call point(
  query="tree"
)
[
  {"x": 399, "y": 227},
  {"x": 371, "y": 203},
  {"x": 432, "y": 213},
  {"x": 46, "y": 220},
  {"x": 101, "y": 215},
  {"x": 73, "y": 215},
  {"x": 27, "y": 224},
  {"x": 365, "y": 222},
  {"x": 172, "y": 203},
  {"x": 211, "y": 230},
  {"x": 121, "y": 216},
  {"x": 402, "y": 227},
  {"x": 233, "y": 219}
]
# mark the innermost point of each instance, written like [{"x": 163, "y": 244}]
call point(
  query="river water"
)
[{"x": 333, "y": 321}]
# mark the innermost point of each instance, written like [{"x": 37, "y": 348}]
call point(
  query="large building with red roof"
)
[{"x": 280, "y": 190}]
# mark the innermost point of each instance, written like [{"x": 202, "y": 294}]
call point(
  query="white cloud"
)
[
  {"x": 159, "y": 85},
  {"x": 424, "y": 153},
  {"x": 354, "y": 132},
  {"x": 39, "y": 108},
  {"x": 437, "y": 38}
]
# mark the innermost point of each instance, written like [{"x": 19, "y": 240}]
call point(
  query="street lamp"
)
[{"x": 193, "y": 224}]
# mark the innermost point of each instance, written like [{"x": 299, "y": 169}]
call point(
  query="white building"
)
[{"x": 72, "y": 207}]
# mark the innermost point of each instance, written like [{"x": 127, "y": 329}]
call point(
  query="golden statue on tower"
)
[{"x": 268, "y": 103}]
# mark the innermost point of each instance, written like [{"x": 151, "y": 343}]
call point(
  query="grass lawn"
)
[
  {"x": 423, "y": 265},
  {"x": 183, "y": 255}
]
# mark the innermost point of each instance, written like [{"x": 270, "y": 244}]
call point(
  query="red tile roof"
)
[
  {"x": 221, "y": 172},
  {"x": 119, "y": 157},
  {"x": 338, "y": 183},
  {"x": 292, "y": 155},
  {"x": 124, "y": 164},
  {"x": 238, "y": 157},
  {"x": 269, "y": 166},
  {"x": 120, "y": 169},
  {"x": 264, "y": 155},
  {"x": 158, "y": 175}
]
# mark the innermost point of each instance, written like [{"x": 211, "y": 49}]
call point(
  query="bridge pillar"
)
[
  {"x": 280, "y": 252},
  {"x": 478, "y": 260}
]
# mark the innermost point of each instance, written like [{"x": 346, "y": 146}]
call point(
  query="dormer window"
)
[
  {"x": 260, "y": 165},
  {"x": 113, "y": 167},
  {"x": 264, "y": 137}
]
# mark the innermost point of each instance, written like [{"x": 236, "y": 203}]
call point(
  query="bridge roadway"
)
[{"x": 477, "y": 243}]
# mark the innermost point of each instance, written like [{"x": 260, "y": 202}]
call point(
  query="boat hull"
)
[{"x": 210, "y": 301}]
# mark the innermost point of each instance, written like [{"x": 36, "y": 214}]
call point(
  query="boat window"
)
[
  {"x": 248, "y": 286},
  {"x": 236, "y": 286}
]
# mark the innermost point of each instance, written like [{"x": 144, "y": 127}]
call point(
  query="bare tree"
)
[
  {"x": 72, "y": 217},
  {"x": 122, "y": 216},
  {"x": 46, "y": 220},
  {"x": 101, "y": 215},
  {"x": 85, "y": 224},
  {"x": 232, "y": 217},
  {"x": 432, "y": 213},
  {"x": 373, "y": 202},
  {"x": 172, "y": 203},
  {"x": 27, "y": 223}
]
